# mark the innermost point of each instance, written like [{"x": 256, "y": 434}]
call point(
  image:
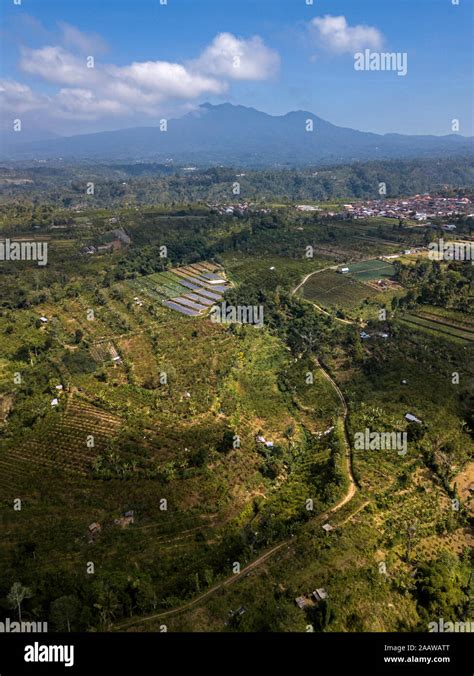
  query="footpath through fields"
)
[
  {"x": 351, "y": 491},
  {"x": 318, "y": 307}
]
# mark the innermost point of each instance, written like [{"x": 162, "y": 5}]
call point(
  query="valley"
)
[{"x": 138, "y": 428}]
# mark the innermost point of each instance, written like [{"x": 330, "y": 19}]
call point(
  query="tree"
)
[
  {"x": 321, "y": 615},
  {"x": 107, "y": 604},
  {"x": 289, "y": 434},
  {"x": 411, "y": 531},
  {"x": 64, "y": 612},
  {"x": 78, "y": 336},
  {"x": 18, "y": 593},
  {"x": 442, "y": 586},
  {"x": 226, "y": 443}
]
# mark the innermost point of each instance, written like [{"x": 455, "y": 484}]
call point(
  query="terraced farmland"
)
[
  {"x": 60, "y": 445},
  {"x": 103, "y": 351},
  {"x": 439, "y": 326},
  {"x": 190, "y": 290},
  {"x": 445, "y": 316}
]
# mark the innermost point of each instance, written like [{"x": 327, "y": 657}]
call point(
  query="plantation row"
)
[
  {"x": 61, "y": 443},
  {"x": 438, "y": 327},
  {"x": 189, "y": 290},
  {"x": 330, "y": 288}
]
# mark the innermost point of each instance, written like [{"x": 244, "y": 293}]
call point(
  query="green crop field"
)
[
  {"x": 232, "y": 443},
  {"x": 459, "y": 320},
  {"x": 331, "y": 289},
  {"x": 371, "y": 269},
  {"x": 440, "y": 327}
]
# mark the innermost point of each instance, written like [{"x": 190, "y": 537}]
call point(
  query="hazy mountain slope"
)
[{"x": 227, "y": 134}]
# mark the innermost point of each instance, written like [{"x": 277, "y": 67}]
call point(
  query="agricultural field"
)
[
  {"x": 190, "y": 290},
  {"x": 332, "y": 289},
  {"x": 400, "y": 520},
  {"x": 461, "y": 320},
  {"x": 271, "y": 272},
  {"x": 149, "y": 404},
  {"x": 448, "y": 325},
  {"x": 370, "y": 270},
  {"x": 165, "y": 447}
]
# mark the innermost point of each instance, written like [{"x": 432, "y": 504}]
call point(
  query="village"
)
[{"x": 419, "y": 208}]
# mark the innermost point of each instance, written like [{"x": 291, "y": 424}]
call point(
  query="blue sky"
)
[{"x": 153, "y": 61}]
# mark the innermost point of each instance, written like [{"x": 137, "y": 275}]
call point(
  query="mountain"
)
[{"x": 237, "y": 135}]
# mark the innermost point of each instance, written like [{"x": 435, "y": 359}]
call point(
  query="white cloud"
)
[
  {"x": 86, "y": 43},
  {"x": 238, "y": 59},
  {"x": 166, "y": 80},
  {"x": 147, "y": 87},
  {"x": 136, "y": 84},
  {"x": 17, "y": 98},
  {"x": 55, "y": 64},
  {"x": 85, "y": 105},
  {"x": 335, "y": 34}
]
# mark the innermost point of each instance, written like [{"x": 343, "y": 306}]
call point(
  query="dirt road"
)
[{"x": 351, "y": 491}]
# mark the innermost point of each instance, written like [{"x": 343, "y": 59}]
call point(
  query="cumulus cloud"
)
[
  {"x": 56, "y": 65},
  {"x": 147, "y": 87},
  {"x": 166, "y": 80},
  {"x": 238, "y": 59},
  {"x": 336, "y": 35},
  {"x": 85, "y": 105},
  {"x": 19, "y": 98},
  {"x": 138, "y": 85}
]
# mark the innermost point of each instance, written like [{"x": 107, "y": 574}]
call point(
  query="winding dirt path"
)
[
  {"x": 318, "y": 307},
  {"x": 351, "y": 491},
  {"x": 348, "y": 452},
  {"x": 225, "y": 583}
]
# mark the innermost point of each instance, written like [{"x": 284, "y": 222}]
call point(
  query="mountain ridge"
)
[{"x": 236, "y": 134}]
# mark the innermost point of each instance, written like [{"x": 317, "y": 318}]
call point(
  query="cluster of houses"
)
[
  {"x": 118, "y": 237},
  {"x": 419, "y": 208},
  {"x": 238, "y": 209}
]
